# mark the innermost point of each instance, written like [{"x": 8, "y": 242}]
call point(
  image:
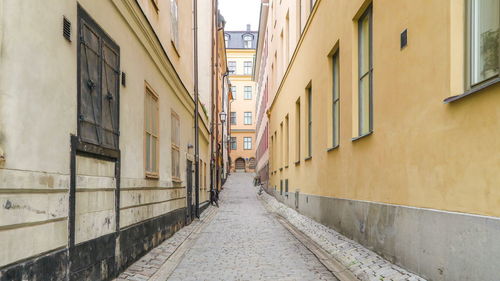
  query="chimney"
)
[{"x": 248, "y": 27}]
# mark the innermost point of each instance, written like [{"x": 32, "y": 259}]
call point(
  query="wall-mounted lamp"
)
[{"x": 222, "y": 116}]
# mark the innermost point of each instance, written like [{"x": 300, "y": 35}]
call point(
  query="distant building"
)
[{"x": 240, "y": 48}]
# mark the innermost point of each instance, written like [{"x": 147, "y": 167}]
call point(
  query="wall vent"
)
[{"x": 67, "y": 29}]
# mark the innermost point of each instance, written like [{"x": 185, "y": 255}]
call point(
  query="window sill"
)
[
  {"x": 151, "y": 176},
  {"x": 176, "y": 180},
  {"x": 474, "y": 90},
  {"x": 308, "y": 158},
  {"x": 362, "y": 136},
  {"x": 332, "y": 148}
]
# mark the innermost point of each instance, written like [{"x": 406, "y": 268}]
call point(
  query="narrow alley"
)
[{"x": 243, "y": 241}]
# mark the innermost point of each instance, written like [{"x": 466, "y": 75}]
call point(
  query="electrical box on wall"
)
[{"x": 404, "y": 38}]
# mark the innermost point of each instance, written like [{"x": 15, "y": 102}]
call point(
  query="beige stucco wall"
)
[
  {"x": 38, "y": 103},
  {"x": 423, "y": 152}
]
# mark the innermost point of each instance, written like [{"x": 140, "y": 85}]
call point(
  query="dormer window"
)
[{"x": 247, "y": 39}]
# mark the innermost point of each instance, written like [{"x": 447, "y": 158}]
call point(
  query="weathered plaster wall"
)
[{"x": 38, "y": 103}]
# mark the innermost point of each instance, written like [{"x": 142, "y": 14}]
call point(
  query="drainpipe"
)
[
  {"x": 224, "y": 77},
  {"x": 212, "y": 161},
  {"x": 196, "y": 117}
]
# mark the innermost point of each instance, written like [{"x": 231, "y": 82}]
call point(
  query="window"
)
[
  {"x": 231, "y": 66},
  {"x": 247, "y": 68},
  {"x": 335, "y": 100},
  {"x": 297, "y": 130},
  {"x": 309, "y": 120},
  {"x": 176, "y": 144},
  {"x": 247, "y": 118},
  {"x": 233, "y": 90},
  {"x": 365, "y": 83},
  {"x": 248, "y": 93},
  {"x": 282, "y": 146},
  {"x": 174, "y": 22},
  {"x": 151, "y": 116},
  {"x": 205, "y": 175},
  {"x": 98, "y": 92},
  {"x": 234, "y": 145},
  {"x": 287, "y": 141},
  {"x": 484, "y": 45},
  {"x": 247, "y": 143},
  {"x": 247, "y": 39},
  {"x": 233, "y": 118}
]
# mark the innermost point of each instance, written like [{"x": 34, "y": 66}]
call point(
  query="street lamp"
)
[{"x": 222, "y": 116}]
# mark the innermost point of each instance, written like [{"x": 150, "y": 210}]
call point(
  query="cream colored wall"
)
[
  {"x": 181, "y": 55},
  {"x": 38, "y": 115},
  {"x": 423, "y": 152}
]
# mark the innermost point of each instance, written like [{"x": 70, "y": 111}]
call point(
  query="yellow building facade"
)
[
  {"x": 384, "y": 125},
  {"x": 240, "y": 49}
]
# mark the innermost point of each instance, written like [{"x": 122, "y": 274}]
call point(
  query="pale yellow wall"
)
[
  {"x": 423, "y": 152},
  {"x": 38, "y": 115}
]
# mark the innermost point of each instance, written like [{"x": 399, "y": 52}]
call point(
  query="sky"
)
[{"x": 239, "y": 13}]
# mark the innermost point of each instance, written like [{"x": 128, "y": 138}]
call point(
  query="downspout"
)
[
  {"x": 212, "y": 105},
  {"x": 196, "y": 113},
  {"x": 217, "y": 91},
  {"x": 224, "y": 77}
]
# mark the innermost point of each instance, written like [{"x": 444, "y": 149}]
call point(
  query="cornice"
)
[{"x": 141, "y": 27}]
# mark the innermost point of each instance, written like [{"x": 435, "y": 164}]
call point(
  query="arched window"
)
[{"x": 247, "y": 39}]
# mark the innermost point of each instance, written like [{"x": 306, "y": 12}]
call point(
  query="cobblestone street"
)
[{"x": 245, "y": 242}]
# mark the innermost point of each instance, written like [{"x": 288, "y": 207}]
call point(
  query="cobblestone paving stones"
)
[
  {"x": 365, "y": 264},
  {"x": 149, "y": 264},
  {"x": 245, "y": 242}
]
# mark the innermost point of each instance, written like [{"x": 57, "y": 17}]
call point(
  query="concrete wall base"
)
[
  {"x": 436, "y": 245},
  {"x": 98, "y": 259}
]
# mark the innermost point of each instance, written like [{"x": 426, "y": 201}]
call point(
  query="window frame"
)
[
  {"x": 470, "y": 16},
  {"x": 367, "y": 13},
  {"x": 233, "y": 115},
  {"x": 298, "y": 131},
  {"x": 247, "y": 114},
  {"x": 150, "y": 93},
  {"x": 247, "y": 140},
  {"x": 245, "y": 92},
  {"x": 309, "y": 108},
  {"x": 233, "y": 90},
  {"x": 247, "y": 67},
  {"x": 175, "y": 145},
  {"x": 233, "y": 143},
  {"x": 245, "y": 41},
  {"x": 335, "y": 59},
  {"x": 174, "y": 23},
  {"x": 230, "y": 65}
]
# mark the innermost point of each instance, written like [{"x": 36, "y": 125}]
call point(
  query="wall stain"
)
[{"x": 9, "y": 205}]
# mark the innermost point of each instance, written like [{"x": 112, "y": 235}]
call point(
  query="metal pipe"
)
[
  {"x": 196, "y": 117},
  {"x": 212, "y": 161}
]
